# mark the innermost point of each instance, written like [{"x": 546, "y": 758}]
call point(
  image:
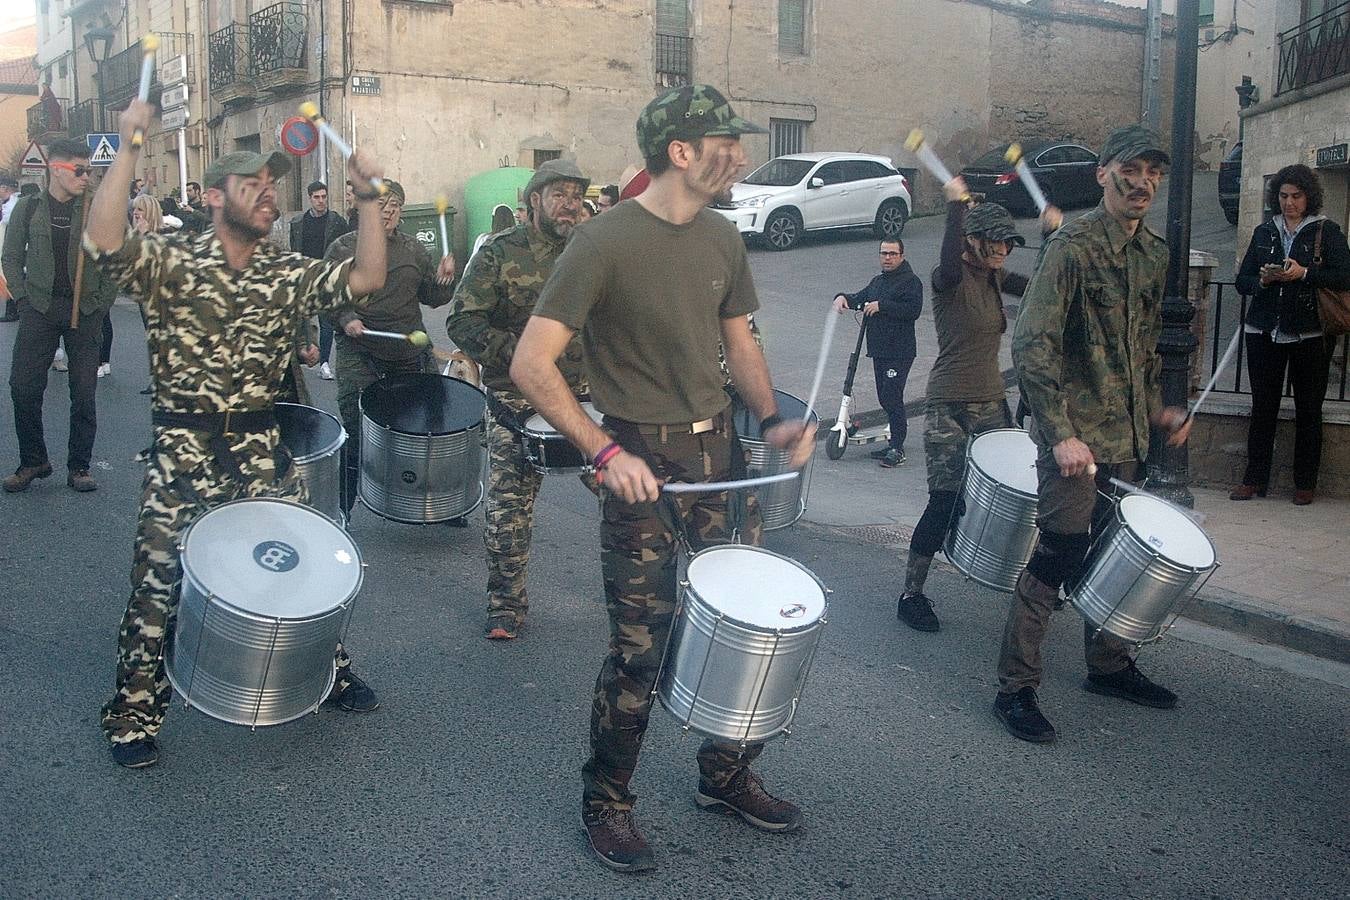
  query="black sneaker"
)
[
  {"x": 745, "y": 796},
  {"x": 617, "y": 841},
  {"x": 135, "y": 754},
  {"x": 352, "y": 694},
  {"x": 1021, "y": 715},
  {"x": 880, "y": 454},
  {"x": 1130, "y": 684},
  {"x": 916, "y": 611},
  {"x": 893, "y": 459}
]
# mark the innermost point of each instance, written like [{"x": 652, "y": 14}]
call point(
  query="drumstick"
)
[
  {"x": 149, "y": 44},
  {"x": 683, "y": 488},
  {"x": 1014, "y": 156},
  {"x": 830, "y": 318},
  {"x": 310, "y": 111},
  {"x": 1223, "y": 364},
  {"x": 442, "y": 205},
  {"x": 1195, "y": 516},
  {"x": 416, "y": 338},
  {"x": 919, "y": 147}
]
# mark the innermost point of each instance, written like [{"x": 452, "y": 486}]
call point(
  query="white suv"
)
[{"x": 789, "y": 195}]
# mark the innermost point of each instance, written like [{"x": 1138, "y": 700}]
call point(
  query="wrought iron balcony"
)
[
  {"x": 278, "y": 45},
  {"x": 119, "y": 76},
  {"x": 47, "y": 117},
  {"x": 673, "y": 62},
  {"x": 230, "y": 73},
  {"x": 85, "y": 117},
  {"x": 1315, "y": 51}
]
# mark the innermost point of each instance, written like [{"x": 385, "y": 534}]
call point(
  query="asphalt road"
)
[{"x": 465, "y": 782}]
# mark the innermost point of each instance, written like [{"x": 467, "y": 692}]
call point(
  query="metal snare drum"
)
[
  {"x": 993, "y": 539},
  {"x": 742, "y": 643},
  {"x": 268, "y": 587},
  {"x": 548, "y": 451},
  {"x": 315, "y": 440},
  {"x": 780, "y": 504},
  {"x": 422, "y": 451},
  {"x": 1148, "y": 557}
]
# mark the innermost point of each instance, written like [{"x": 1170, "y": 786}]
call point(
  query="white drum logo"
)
[{"x": 276, "y": 556}]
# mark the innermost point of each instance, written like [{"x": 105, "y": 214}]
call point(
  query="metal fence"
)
[
  {"x": 227, "y": 56},
  {"x": 1229, "y": 313},
  {"x": 1316, "y": 50},
  {"x": 674, "y": 65},
  {"x": 277, "y": 37}
]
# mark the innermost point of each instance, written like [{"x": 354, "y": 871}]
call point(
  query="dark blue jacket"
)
[{"x": 890, "y": 333}]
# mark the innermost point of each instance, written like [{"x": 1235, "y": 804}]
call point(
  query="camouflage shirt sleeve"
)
[
  {"x": 470, "y": 323},
  {"x": 323, "y": 286},
  {"x": 1038, "y": 340},
  {"x": 134, "y": 266}
]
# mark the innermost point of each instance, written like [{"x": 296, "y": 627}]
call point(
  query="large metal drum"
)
[
  {"x": 782, "y": 503},
  {"x": 548, "y": 451},
  {"x": 992, "y": 540},
  {"x": 422, "y": 451},
  {"x": 742, "y": 643},
  {"x": 315, "y": 440},
  {"x": 268, "y": 587},
  {"x": 1150, "y": 556}
]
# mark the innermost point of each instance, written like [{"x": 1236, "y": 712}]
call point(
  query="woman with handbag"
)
[{"x": 1291, "y": 256}]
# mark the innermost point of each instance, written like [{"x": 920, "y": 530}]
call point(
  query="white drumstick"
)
[
  {"x": 416, "y": 338},
  {"x": 149, "y": 44},
  {"x": 831, "y": 317},
  {"x": 1014, "y": 156},
  {"x": 442, "y": 204},
  {"x": 683, "y": 488},
  {"x": 1213, "y": 379},
  {"x": 1196, "y": 517},
  {"x": 310, "y": 111},
  {"x": 919, "y": 147}
]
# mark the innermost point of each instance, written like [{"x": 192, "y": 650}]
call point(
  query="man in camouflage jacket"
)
[
  {"x": 222, "y": 310},
  {"x": 1085, "y": 350},
  {"x": 490, "y": 309}
]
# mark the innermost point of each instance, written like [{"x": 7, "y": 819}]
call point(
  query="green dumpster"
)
[
  {"x": 422, "y": 222},
  {"x": 485, "y": 191}
]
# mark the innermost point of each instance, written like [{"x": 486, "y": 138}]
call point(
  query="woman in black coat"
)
[{"x": 1280, "y": 273}]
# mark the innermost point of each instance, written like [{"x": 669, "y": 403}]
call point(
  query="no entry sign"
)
[{"x": 299, "y": 137}]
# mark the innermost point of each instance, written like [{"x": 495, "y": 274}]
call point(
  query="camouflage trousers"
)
[
  {"x": 639, "y": 558},
  {"x": 170, "y": 501},
  {"x": 948, "y": 428},
  {"x": 355, "y": 370},
  {"x": 513, "y": 484}
]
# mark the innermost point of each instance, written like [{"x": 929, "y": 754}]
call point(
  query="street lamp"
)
[{"x": 98, "y": 41}]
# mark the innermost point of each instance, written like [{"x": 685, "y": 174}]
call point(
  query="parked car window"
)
[
  {"x": 779, "y": 173},
  {"x": 993, "y": 159},
  {"x": 1054, "y": 156},
  {"x": 860, "y": 169},
  {"x": 1080, "y": 155},
  {"x": 832, "y": 173}
]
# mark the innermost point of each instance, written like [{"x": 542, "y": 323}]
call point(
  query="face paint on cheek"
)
[{"x": 1121, "y": 185}]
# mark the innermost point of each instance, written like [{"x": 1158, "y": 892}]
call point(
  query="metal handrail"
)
[{"x": 1315, "y": 50}]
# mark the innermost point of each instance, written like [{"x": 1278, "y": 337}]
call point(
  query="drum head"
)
[
  {"x": 789, "y": 407},
  {"x": 272, "y": 558},
  {"x": 307, "y": 432},
  {"x": 1167, "y": 531},
  {"x": 1008, "y": 455},
  {"x": 422, "y": 403},
  {"x": 757, "y": 587},
  {"x": 537, "y": 424}
]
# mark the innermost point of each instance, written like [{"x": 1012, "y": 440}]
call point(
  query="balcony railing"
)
[
  {"x": 119, "y": 76},
  {"x": 227, "y": 59},
  {"x": 84, "y": 118},
  {"x": 673, "y": 63},
  {"x": 1316, "y": 50},
  {"x": 277, "y": 41},
  {"x": 47, "y": 117}
]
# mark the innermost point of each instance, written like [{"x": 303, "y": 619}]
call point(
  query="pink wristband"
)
[{"x": 607, "y": 452}]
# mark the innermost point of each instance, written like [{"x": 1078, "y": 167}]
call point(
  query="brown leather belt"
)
[{"x": 715, "y": 424}]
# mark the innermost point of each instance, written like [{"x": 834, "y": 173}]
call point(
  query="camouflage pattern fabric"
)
[
  {"x": 948, "y": 428},
  {"x": 495, "y": 299},
  {"x": 722, "y": 353},
  {"x": 1133, "y": 142},
  {"x": 1086, "y": 341},
  {"x": 219, "y": 340},
  {"x": 638, "y": 558},
  {"x": 685, "y": 113},
  {"x": 513, "y": 485}
]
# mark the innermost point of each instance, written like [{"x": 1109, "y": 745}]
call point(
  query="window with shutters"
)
[
  {"x": 792, "y": 27},
  {"x": 674, "y": 62},
  {"x": 1206, "y": 12},
  {"x": 786, "y": 136}
]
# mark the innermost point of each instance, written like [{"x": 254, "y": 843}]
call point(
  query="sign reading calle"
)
[
  {"x": 366, "y": 84},
  {"x": 1335, "y": 155}
]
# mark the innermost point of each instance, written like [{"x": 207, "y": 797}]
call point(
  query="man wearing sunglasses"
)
[{"x": 40, "y": 259}]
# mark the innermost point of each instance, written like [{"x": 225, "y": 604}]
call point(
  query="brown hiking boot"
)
[
  {"x": 617, "y": 840},
  {"x": 745, "y": 796},
  {"x": 80, "y": 480},
  {"x": 25, "y": 475}
]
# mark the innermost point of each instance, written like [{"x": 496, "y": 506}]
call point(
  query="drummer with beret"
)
[
  {"x": 222, "y": 309},
  {"x": 1085, "y": 349},
  {"x": 413, "y": 280}
]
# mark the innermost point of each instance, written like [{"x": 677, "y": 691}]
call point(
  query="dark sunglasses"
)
[{"x": 80, "y": 171}]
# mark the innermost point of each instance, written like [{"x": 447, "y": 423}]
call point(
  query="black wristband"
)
[
  {"x": 372, "y": 195},
  {"x": 769, "y": 421}
]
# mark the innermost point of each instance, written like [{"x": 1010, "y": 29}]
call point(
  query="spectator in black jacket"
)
[
  {"x": 311, "y": 233},
  {"x": 891, "y": 302}
]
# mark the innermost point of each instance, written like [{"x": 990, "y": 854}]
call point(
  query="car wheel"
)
[
  {"x": 1230, "y": 214},
  {"x": 891, "y": 218},
  {"x": 783, "y": 230}
]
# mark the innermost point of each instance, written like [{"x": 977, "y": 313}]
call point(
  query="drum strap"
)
[{"x": 217, "y": 426}]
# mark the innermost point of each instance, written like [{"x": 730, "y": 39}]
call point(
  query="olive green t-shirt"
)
[{"x": 648, "y": 297}]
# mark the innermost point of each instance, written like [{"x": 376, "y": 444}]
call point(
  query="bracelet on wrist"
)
[
  {"x": 769, "y": 421},
  {"x": 366, "y": 197},
  {"x": 607, "y": 453}
]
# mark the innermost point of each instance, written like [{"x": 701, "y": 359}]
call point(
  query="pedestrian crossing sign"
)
[{"x": 103, "y": 148}]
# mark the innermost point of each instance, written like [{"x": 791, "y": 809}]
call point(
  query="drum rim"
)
[
  {"x": 328, "y": 450},
  {"x": 749, "y": 626},
  {"x": 1149, "y": 548},
  {"x": 211, "y": 595},
  {"x": 253, "y": 723},
  {"x": 970, "y": 460},
  {"x": 365, "y": 417},
  {"x": 525, "y": 428}
]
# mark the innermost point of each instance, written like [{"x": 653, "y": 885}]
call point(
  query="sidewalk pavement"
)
[{"x": 1284, "y": 574}]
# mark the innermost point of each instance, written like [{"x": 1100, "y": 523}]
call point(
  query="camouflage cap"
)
[
  {"x": 243, "y": 162},
  {"x": 1133, "y": 142},
  {"x": 993, "y": 223},
  {"x": 685, "y": 113},
  {"x": 396, "y": 190},
  {"x": 551, "y": 171}
]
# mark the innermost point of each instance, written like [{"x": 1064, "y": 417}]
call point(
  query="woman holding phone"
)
[{"x": 1291, "y": 255}]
